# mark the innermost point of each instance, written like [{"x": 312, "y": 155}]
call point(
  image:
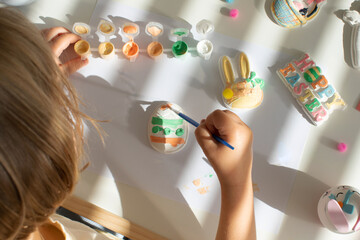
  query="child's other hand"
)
[
  {"x": 61, "y": 41},
  {"x": 233, "y": 167}
]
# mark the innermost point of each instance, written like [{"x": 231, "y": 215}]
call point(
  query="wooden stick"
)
[{"x": 109, "y": 220}]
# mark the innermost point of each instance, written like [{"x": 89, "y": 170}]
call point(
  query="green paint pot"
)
[{"x": 179, "y": 49}]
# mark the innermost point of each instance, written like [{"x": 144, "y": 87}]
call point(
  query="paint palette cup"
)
[
  {"x": 131, "y": 51},
  {"x": 204, "y": 49},
  {"x": 204, "y": 27},
  {"x": 106, "y": 50},
  {"x": 154, "y": 50},
  {"x": 167, "y": 131},
  {"x": 130, "y": 30},
  {"x": 81, "y": 29},
  {"x": 154, "y": 30},
  {"x": 339, "y": 209},
  {"x": 106, "y": 29},
  {"x": 179, "y": 33},
  {"x": 82, "y": 48},
  {"x": 179, "y": 49}
]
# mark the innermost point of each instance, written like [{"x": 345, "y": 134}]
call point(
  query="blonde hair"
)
[{"x": 41, "y": 129}]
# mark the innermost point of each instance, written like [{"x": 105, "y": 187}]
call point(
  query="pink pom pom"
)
[
  {"x": 234, "y": 13},
  {"x": 342, "y": 147}
]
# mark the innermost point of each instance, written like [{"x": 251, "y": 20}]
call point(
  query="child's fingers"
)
[
  {"x": 224, "y": 123},
  {"x": 60, "y": 43},
  {"x": 50, "y": 33},
  {"x": 74, "y": 65},
  {"x": 204, "y": 138},
  {"x": 233, "y": 116},
  {"x": 221, "y": 123}
]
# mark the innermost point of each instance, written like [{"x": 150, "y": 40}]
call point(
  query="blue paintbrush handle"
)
[
  {"x": 193, "y": 122},
  {"x": 196, "y": 124},
  {"x": 219, "y": 139}
]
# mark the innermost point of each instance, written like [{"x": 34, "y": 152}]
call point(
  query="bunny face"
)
[
  {"x": 339, "y": 209},
  {"x": 245, "y": 92}
]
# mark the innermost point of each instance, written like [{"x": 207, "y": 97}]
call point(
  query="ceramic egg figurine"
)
[
  {"x": 167, "y": 131},
  {"x": 295, "y": 13},
  {"x": 339, "y": 209}
]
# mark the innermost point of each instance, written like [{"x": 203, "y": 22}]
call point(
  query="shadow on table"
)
[{"x": 275, "y": 180}]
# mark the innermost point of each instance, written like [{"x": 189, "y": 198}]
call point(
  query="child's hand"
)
[
  {"x": 61, "y": 41},
  {"x": 233, "y": 167}
]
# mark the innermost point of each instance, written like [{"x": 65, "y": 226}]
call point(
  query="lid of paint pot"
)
[
  {"x": 154, "y": 29},
  {"x": 106, "y": 28},
  {"x": 180, "y": 32},
  {"x": 205, "y": 27},
  {"x": 130, "y": 30},
  {"x": 81, "y": 29}
]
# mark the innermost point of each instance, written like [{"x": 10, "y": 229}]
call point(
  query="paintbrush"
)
[{"x": 196, "y": 124}]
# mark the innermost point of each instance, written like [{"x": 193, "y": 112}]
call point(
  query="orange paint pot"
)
[
  {"x": 155, "y": 49},
  {"x": 131, "y": 50}
]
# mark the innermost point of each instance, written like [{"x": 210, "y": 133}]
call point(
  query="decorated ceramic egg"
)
[
  {"x": 167, "y": 131},
  {"x": 339, "y": 209}
]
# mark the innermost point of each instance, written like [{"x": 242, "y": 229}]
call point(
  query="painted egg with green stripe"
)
[
  {"x": 312, "y": 74},
  {"x": 167, "y": 131}
]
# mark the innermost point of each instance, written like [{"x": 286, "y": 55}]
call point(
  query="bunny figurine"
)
[{"x": 245, "y": 93}]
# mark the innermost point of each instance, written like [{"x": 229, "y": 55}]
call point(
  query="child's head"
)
[{"x": 40, "y": 129}]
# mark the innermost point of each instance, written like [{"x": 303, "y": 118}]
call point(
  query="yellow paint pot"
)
[
  {"x": 106, "y": 50},
  {"x": 82, "y": 48},
  {"x": 155, "y": 49}
]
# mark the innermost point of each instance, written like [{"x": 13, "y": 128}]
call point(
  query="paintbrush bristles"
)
[{"x": 176, "y": 111}]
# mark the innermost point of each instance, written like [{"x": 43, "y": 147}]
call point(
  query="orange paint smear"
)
[
  {"x": 196, "y": 182},
  {"x": 164, "y": 107},
  {"x": 173, "y": 141},
  {"x": 130, "y": 49},
  {"x": 130, "y": 29},
  {"x": 203, "y": 190}
]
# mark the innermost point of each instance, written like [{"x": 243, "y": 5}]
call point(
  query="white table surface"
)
[{"x": 326, "y": 38}]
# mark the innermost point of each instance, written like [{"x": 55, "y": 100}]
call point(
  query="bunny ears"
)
[
  {"x": 294, "y": 13},
  {"x": 245, "y": 92}
]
